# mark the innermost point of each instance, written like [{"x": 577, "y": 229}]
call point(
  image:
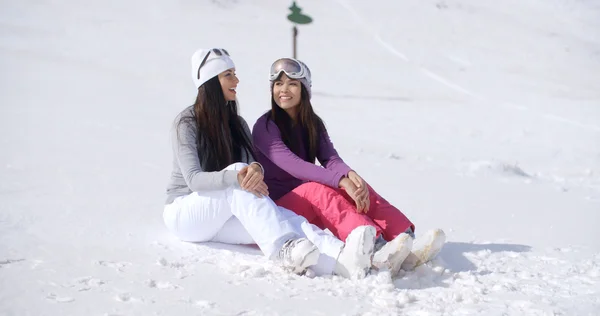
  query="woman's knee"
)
[
  {"x": 196, "y": 218},
  {"x": 186, "y": 230},
  {"x": 314, "y": 188},
  {"x": 297, "y": 204},
  {"x": 324, "y": 196}
]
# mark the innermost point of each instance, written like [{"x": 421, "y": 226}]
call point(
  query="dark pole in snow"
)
[{"x": 295, "y": 32}]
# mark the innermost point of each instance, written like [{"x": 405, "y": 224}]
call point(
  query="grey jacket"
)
[{"x": 188, "y": 175}]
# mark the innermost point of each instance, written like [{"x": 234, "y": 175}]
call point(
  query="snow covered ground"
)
[{"x": 480, "y": 117}]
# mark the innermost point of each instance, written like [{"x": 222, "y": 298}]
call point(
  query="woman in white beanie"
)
[{"x": 217, "y": 193}]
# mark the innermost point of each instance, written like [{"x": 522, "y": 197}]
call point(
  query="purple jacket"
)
[{"x": 284, "y": 170}]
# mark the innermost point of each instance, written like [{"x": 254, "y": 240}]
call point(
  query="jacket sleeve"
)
[
  {"x": 187, "y": 156},
  {"x": 268, "y": 141},
  {"x": 328, "y": 156}
]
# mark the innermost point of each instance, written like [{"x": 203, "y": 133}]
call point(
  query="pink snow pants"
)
[{"x": 335, "y": 210}]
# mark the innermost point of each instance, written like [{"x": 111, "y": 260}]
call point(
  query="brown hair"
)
[
  {"x": 220, "y": 135},
  {"x": 311, "y": 124}
]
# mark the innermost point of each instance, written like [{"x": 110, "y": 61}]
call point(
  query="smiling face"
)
[
  {"x": 229, "y": 82},
  {"x": 286, "y": 93}
]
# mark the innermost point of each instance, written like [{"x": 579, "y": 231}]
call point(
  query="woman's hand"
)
[
  {"x": 363, "y": 190},
  {"x": 260, "y": 190},
  {"x": 251, "y": 180},
  {"x": 362, "y": 206},
  {"x": 252, "y": 177}
]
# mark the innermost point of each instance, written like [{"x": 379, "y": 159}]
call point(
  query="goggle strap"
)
[{"x": 214, "y": 50}]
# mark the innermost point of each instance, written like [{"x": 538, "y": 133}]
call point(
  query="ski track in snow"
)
[
  {"x": 452, "y": 85},
  {"x": 585, "y": 180}
]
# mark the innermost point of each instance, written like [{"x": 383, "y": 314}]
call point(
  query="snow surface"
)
[{"x": 480, "y": 117}]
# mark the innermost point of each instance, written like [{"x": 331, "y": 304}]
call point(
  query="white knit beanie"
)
[{"x": 213, "y": 66}]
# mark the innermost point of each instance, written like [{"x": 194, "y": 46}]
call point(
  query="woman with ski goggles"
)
[
  {"x": 293, "y": 68},
  {"x": 290, "y": 138},
  {"x": 217, "y": 190}
]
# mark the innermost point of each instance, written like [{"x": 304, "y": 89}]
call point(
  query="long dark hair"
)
[
  {"x": 220, "y": 135},
  {"x": 311, "y": 125}
]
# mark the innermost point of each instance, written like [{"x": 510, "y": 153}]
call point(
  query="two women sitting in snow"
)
[{"x": 232, "y": 186}]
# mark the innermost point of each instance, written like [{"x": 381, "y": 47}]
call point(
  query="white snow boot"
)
[
  {"x": 425, "y": 248},
  {"x": 393, "y": 253},
  {"x": 298, "y": 255},
  {"x": 354, "y": 261}
]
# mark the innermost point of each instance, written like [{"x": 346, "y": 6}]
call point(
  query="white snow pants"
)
[{"x": 235, "y": 216}]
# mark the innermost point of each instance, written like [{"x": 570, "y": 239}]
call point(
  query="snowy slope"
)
[{"x": 479, "y": 117}]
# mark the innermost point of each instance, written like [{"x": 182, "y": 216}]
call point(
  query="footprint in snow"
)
[
  {"x": 119, "y": 266},
  {"x": 160, "y": 245},
  {"x": 162, "y": 285},
  {"x": 88, "y": 283},
  {"x": 59, "y": 299},
  {"x": 128, "y": 298},
  {"x": 205, "y": 304},
  {"x": 165, "y": 263}
]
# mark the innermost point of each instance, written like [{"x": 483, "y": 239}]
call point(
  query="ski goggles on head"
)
[
  {"x": 292, "y": 68},
  {"x": 216, "y": 51}
]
